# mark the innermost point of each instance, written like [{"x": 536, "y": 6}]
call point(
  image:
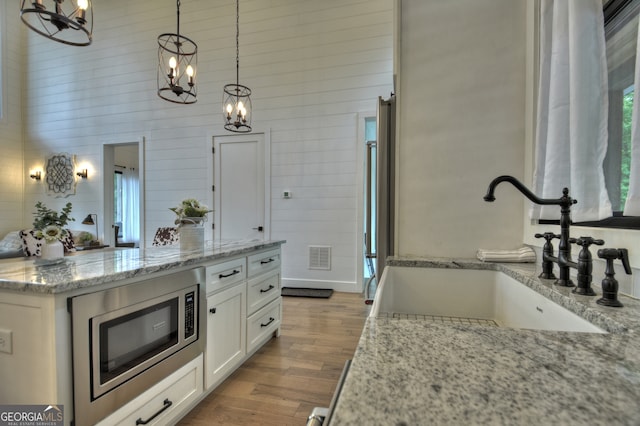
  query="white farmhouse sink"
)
[{"x": 476, "y": 294}]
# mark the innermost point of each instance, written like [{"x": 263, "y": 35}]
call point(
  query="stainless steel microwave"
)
[{"x": 128, "y": 338}]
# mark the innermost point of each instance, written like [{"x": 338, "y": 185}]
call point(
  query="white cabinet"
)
[
  {"x": 261, "y": 290},
  {"x": 221, "y": 275},
  {"x": 243, "y": 310},
  {"x": 165, "y": 402},
  {"x": 265, "y": 261},
  {"x": 226, "y": 328},
  {"x": 262, "y": 324}
]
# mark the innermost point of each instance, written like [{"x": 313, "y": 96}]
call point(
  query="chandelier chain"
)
[
  {"x": 237, "y": 41},
  {"x": 178, "y": 20}
]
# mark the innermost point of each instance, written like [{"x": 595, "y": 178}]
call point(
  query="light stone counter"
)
[
  {"x": 412, "y": 372},
  {"x": 97, "y": 267}
]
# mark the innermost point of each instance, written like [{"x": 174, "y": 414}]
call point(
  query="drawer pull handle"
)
[
  {"x": 235, "y": 271},
  {"x": 271, "y": 319},
  {"x": 166, "y": 405},
  {"x": 269, "y": 289},
  {"x": 262, "y": 262}
]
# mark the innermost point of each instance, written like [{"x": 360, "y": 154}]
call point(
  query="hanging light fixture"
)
[
  {"x": 68, "y": 22},
  {"x": 236, "y": 100},
  {"x": 177, "y": 61}
]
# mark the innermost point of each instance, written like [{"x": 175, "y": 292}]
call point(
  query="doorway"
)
[
  {"x": 124, "y": 189},
  {"x": 241, "y": 181}
]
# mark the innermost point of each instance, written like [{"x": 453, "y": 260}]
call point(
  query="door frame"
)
[
  {"x": 108, "y": 166},
  {"x": 360, "y": 160},
  {"x": 214, "y": 198}
]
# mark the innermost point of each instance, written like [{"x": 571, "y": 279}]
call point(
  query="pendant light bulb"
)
[{"x": 83, "y": 4}]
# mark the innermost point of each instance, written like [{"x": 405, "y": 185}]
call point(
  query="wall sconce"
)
[
  {"x": 36, "y": 175},
  {"x": 83, "y": 173}
]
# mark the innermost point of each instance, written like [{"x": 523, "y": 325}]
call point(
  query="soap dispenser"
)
[{"x": 609, "y": 283}]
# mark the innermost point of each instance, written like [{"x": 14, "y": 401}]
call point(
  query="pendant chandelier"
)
[
  {"x": 236, "y": 100},
  {"x": 177, "y": 61},
  {"x": 69, "y": 22}
]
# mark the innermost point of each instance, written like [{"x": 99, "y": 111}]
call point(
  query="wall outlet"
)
[{"x": 5, "y": 341}]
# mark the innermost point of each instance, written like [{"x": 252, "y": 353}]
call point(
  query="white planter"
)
[
  {"x": 52, "y": 251},
  {"x": 192, "y": 235}
]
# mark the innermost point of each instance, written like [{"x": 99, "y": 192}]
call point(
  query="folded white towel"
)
[{"x": 522, "y": 255}]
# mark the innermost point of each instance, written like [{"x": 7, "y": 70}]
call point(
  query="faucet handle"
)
[
  {"x": 609, "y": 283},
  {"x": 548, "y": 236},
  {"x": 611, "y": 254},
  {"x": 586, "y": 242}
]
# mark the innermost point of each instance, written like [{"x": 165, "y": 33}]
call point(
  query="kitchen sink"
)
[{"x": 484, "y": 295}]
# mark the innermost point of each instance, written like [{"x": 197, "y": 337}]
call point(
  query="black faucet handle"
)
[
  {"x": 611, "y": 254},
  {"x": 548, "y": 236},
  {"x": 586, "y": 242}
]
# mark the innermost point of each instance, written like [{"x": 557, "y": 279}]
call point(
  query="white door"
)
[{"x": 240, "y": 172}]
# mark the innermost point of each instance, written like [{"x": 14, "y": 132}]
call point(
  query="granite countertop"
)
[
  {"x": 412, "y": 372},
  {"x": 96, "y": 267}
]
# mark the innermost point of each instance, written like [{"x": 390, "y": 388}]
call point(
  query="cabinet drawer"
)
[
  {"x": 263, "y": 262},
  {"x": 262, "y": 323},
  {"x": 161, "y": 404},
  {"x": 223, "y": 274},
  {"x": 262, "y": 290}
]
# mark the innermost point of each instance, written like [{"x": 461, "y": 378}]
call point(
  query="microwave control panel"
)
[{"x": 189, "y": 314}]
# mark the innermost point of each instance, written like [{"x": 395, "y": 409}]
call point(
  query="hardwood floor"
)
[{"x": 293, "y": 373}]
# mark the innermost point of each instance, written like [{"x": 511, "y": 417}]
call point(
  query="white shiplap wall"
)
[
  {"x": 312, "y": 66},
  {"x": 13, "y": 175},
  {"x": 462, "y": 123}
]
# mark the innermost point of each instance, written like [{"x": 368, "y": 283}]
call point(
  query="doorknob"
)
[{"x": 259, "y": 229}]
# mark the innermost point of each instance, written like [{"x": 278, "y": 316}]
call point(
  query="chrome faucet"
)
[{"x": 563, "y": 259}]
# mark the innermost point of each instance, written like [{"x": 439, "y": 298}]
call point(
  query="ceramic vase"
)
[
  {"x": 191, "y": 234},
  {"x": 52, "y": 251}
]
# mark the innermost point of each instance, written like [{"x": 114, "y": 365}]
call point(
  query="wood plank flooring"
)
[{"x": 292, "y": 374}]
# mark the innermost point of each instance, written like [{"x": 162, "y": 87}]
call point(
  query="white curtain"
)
[
  {"x": 130, "y": 206},
  {"x": 572, "y": 109},
  {"x": 632, "y": 204}
]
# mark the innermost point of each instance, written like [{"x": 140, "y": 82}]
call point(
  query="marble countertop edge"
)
[{"x": 97, "y": 267}]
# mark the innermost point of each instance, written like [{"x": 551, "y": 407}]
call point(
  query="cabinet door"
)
[{"x": 226, "y": 325}]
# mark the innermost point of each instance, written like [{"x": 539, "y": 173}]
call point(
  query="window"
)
[
  {"x": 118, "y": 194},
  {"x": 621, "y": 33}
]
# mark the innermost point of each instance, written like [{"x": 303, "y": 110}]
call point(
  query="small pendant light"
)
[
  {"x": 177, "y": 62},
  {"x": 236, "y": 100},
  {"x": 69, "y": 22}
]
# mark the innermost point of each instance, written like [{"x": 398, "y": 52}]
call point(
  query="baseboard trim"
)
[{"x": 342, "y": 286}]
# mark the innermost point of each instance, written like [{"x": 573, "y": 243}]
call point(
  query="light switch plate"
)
[{"x": 5, "y": 341}]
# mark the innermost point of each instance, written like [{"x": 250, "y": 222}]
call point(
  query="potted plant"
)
[
  {"x": 190, "y": 211},
  {"x": 191, "y": 215},
  {"x": 86, "y": 238},
  {"x": 49, "y": 225}
]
